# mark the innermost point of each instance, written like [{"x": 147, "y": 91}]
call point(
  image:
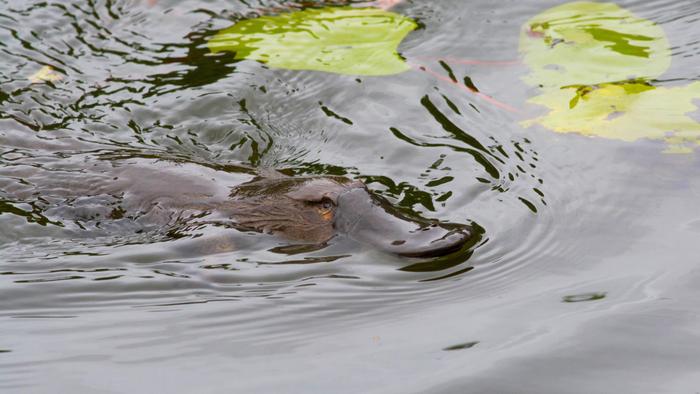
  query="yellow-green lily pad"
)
[
  {"x": 626, "y": 111},
  {"x": 587, "y": 43},
  {"x": 343, "y": 40},
  {"x": 595, "y": 65}
]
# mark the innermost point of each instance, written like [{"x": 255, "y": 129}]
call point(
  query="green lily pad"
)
[
  {"x": 594, "y": 64},
  {"x": 589, "y": 43},
  {"x": 343, "y": 40},
  {"x": 625, "y": 111}
]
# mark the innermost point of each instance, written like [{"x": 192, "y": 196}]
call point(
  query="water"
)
[{"x": 585, "y": 279}]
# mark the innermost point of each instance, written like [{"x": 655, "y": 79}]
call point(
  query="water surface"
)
[{"x": 585, "y": 279}]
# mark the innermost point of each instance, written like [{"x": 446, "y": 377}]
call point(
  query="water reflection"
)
[{"x": 98, "y": 272}]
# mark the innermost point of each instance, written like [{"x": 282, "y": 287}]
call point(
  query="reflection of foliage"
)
[
  {"x": 594, "y": 63},
  {"x": 501, "y": 164},
  {"x": 451, "y": 260},
  {"x": 36, "y": 215},
  {"x": 317, "y": 169},
  {"x": 584, "y": 297},
  {"x": 202, "y": 68},
  {"x": 344, "y": 40},
  {"x": 472, "y": 146},
  {"x": 407, "y": 194}
]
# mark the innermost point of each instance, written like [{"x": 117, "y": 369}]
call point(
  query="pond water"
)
[{"x": 585, "y": 279}]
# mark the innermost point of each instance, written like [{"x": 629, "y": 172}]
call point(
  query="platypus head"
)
[{"x": 313, "y": 209}]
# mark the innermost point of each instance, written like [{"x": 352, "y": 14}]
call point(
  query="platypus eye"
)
[
  {"x": 326, "y": 204},
  {"x": 325, "y": 208}
]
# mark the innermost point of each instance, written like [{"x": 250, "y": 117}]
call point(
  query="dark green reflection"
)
[
  {"x": 331, "y": 114},
  {"x": 199, "y": 67},
  {"x": 461, "y": 346},
  {"x": 407, "y": 194},
  {"x": 473, "y": 147},
  {"x": 621, "y": 41},
  {"x": 451, "y": 260},
  {"x": 34, "y": 216},
  {"x": 583, "y": 297}
]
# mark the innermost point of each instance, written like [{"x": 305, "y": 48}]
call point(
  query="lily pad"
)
[
  {"x": 595, "y": 65},
  {"x": 627, "y": 111},
  {"x": 343, "y": 40},
  {"x": 588, "y": 43}
]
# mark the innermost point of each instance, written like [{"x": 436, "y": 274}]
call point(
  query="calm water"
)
[{"x": 586, "y": 279}]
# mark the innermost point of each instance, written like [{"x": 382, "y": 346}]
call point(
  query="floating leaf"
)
[
  {"x": 624, "y": 111},
  {"x": 343, "y": 40},
  {"x": 594, "y": 63},
  {"x": 45, "y": 74},
  {"x": 590, "y": 43}
]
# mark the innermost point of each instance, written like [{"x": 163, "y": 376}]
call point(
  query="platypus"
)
[{"x": 156, "y": 195}]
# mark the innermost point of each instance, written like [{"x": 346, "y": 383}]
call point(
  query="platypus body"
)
[{"x": 142, "y": 193}]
